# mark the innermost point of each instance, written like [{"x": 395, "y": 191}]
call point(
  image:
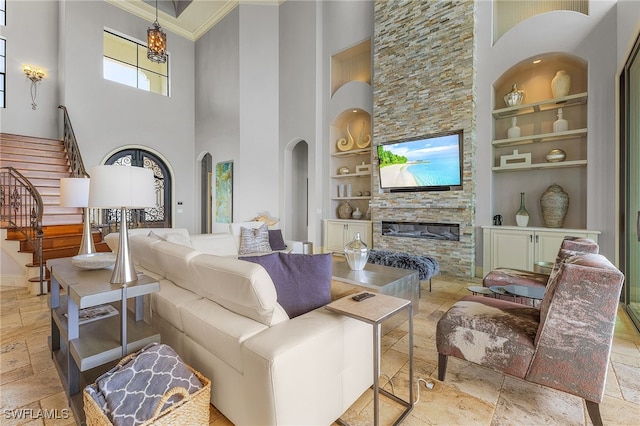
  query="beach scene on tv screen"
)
[{"x": 420, "y": 163}]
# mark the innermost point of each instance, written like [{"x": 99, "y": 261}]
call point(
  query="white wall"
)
[
  {"x": 593, "y": 38},
  {"x": 217, "y": 77},
  {"x": 299, "y": 114},
  {"x": 256, "y": 174},
  {"x": 108, "y": 116},
  {"x": 31, "y": 39}
]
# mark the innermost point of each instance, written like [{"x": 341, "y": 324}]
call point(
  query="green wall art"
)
[{"x": 224, "y": 192}]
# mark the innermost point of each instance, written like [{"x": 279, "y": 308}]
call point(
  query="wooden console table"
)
[{"x": 81, "y": 352}]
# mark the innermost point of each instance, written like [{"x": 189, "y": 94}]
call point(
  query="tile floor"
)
[{"x": 471, "y": 395}]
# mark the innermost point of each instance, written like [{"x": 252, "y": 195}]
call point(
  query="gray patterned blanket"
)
[{"x": 129, "y": 393}]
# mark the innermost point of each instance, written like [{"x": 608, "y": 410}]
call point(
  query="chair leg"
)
[
  {"x": 593, "y": 409},
  {"x": 442, "y": 366}
]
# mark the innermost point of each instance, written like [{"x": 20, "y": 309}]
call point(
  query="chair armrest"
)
[{"x": 506, "y": 276}]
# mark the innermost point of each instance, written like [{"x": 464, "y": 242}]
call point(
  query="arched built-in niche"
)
[{"x": 535, "y": 117}]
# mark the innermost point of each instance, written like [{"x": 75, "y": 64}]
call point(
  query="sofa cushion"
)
[
  {"x": 276, "y": 241},
  {"x": 167, "y": 302},
  {"x": 254, "y": 240},
  {"x": 241, "y": 287},
  {"x": 218, "y": 330},
  {"x": 175, "y": 259},
  {"x": 142, "y": 253},
  {"x": 302, "y": 281},
  {"x": 491, "y": 332},
  {"x": 218, "y": 244}
]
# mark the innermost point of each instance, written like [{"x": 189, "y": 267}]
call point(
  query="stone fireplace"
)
[{"x": 439, "y": 96}]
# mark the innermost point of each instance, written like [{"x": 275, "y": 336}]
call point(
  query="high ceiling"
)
[{"x": 188, "y": 18}]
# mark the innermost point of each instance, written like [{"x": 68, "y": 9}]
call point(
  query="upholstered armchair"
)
[
  {"x": 506, "y": 276},
  {"x": 564, "y": 345}
]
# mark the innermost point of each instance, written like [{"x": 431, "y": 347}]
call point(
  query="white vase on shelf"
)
[
  {"x": 561, "y": 84},
  {"x": 560, "y": 125},
  {"x": 514, "y": 130}
]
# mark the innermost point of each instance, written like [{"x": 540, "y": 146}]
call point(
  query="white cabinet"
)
[
  {"x": 337, "y": 233},
  {"x": 521, "y": 248}
]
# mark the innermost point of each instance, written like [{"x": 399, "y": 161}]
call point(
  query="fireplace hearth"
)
[{"x": 424, "y": 230}]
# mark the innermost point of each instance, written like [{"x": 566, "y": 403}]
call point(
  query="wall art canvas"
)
[{"x": 224, "y": 192}]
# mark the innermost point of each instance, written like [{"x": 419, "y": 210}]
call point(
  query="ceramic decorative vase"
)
[
  {"x": 356, "y": 253},
  {"x": 561, "y": 84},
  {"x": 344, "y": 210},
  {"x": 357, "y": 214},
  {"x": 522, "y": 215},
  {"x": 514, "y": 97},
  {"x": 554, "y": 203},
  {"x": 560, "y": 125},
  {"x": 514, "y": 130}
]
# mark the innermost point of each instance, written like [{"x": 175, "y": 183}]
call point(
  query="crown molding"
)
[{"x": 175, "y": 25}]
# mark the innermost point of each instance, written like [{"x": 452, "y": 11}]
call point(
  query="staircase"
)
[{"x": 43, "y": 162}]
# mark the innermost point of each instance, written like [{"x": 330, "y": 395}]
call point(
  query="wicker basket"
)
[{"x": 192, "y": 409}]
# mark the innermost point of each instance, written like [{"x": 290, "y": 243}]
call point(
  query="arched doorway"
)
[
  {"x": 298, "y": 220},
  {"x": 206, "y": 216},
  {"x": 153, "y": 217}
]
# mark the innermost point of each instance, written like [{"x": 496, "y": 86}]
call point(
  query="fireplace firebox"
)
[{"x": 426, "y": 230}]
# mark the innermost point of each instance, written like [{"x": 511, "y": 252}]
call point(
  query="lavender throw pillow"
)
[
  {"x": 302, "y": 281},
  {"x": 275, "y": 239}
]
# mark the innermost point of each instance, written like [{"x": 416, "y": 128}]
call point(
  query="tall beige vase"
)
[
  {"x": 561, "y": 84},
  {"x": 554, "y": 203}
]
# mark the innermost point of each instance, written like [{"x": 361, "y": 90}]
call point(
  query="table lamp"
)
[
  {"x": 74, "y": 192},
  {"x": 122, "y": 187}
]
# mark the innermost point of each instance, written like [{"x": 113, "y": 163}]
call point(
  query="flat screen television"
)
[{"x": 425, "y": 163}]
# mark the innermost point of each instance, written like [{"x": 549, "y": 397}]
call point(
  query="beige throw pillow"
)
[{"x": 254, "y": 240}]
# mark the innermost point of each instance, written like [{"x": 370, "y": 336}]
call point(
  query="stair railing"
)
[
  {"x": 71, "y": 146},
  {"x": 21, "y": 209}
]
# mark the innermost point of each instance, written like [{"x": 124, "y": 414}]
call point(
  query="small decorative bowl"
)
[
  {"x": 94, "y": 260},
  {"x": 556, "y": 155}
]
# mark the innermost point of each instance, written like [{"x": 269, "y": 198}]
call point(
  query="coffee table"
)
[
  {"x": 396, "y": 282},
  {"x": 535, "y": 293}
]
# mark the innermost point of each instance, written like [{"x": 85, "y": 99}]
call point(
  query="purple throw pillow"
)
[
  {"x": 302, "y": 281},
  {"x": 275, "y": 240}
]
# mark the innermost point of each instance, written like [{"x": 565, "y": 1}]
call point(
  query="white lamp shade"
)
[
  {"x": 121, "y": 186},
  {"x": 74, "y": 192}
]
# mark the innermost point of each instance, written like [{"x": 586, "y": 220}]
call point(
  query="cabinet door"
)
[
  {"x": 512, "y": 249},
  {"x": 548, "y": 243},
  {"x": 335, "y": 233}
]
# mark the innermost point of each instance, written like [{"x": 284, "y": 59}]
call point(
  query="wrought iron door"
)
[{"x": 152, "y": 217}]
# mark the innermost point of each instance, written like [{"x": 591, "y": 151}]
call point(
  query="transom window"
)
[{"x": 125, "y": 61}]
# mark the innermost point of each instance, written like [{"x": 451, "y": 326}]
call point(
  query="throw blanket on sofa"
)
[{"x": 129, "y": 393}]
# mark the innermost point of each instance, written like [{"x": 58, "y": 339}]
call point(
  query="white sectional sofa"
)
[{"x": 222, "y": 316}]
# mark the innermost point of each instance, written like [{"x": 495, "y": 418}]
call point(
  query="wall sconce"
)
[{"x": 35, "y": 75}]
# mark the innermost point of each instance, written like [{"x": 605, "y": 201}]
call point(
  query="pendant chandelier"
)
[{"x": 156, "y": 42}]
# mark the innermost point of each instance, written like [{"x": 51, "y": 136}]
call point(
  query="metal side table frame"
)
[{"x": 374, "y": 311}]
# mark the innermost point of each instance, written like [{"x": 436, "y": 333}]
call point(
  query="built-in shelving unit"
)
[
  {"x": 350, "y": 144},
  {"x": 520, "y": 163}
]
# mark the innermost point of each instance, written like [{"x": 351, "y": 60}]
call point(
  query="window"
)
[
  {"x": 3, "y": 12},
  {"x": 125, "y": 62},
  {"x": 3, "y": 62}
]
